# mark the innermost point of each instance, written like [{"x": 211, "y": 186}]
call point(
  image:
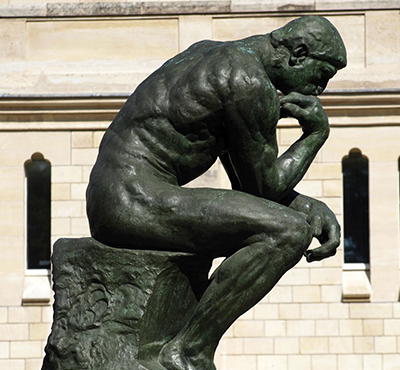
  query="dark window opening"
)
[
  {"x": 356, "y": 207},
  {"x": 38, "y": 179}
]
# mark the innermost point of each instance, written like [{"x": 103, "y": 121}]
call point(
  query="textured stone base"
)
[{"x": 115, "y": 308}]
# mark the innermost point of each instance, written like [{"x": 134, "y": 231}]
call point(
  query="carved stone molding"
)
[
  {"x": 20, "y": 113},
  {"x": 159, "y": 8}
]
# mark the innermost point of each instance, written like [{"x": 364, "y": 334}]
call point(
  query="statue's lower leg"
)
[{"x": 239, "y": 283}]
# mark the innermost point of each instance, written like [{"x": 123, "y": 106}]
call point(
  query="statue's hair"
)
[{"x": 319, "y": 36}]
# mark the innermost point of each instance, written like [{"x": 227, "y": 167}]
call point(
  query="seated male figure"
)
[{"x": 220, "y": 100}]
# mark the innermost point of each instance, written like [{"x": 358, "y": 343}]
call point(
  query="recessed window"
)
[
  {"x": 38, "y": 198},
  {"x": 355, "y": 170}
]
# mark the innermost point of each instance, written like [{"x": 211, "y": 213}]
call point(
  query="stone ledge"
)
[
  {"x": 356, "y": 286},
  {"x": 160, "y": 8},
  {"x": 99, "y": 9},
  {"x": 356, "y": 5},
  {"x": 23, "y": 10},
  {"x": 143, "y": 8},
  {"x": 310, "y": 5},
  {"x": 93, "y": 112},
  {"x": 37, "y": 290}
]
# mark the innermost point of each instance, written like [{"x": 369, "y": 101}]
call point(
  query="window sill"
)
[
  {"x": 356, "y": 283},
  {"x": 356, "y": 267},
  {"x": 37, "y": 288}
]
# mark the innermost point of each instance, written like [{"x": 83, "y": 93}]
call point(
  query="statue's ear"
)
[{"x": 299, "y": 54}]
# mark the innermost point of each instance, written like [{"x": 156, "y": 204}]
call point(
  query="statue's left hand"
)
[{"x": 325, "y": 228}]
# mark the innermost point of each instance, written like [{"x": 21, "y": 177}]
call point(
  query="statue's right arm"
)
[
  {"x": 253, "y": 112},
  {"x": 312, "y": 118}
]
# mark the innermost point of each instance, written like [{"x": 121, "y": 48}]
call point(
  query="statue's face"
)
[{"x": 309, "y": 77}]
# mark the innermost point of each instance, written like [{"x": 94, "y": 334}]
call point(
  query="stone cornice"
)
[
  {"x": 162, "y": 8},
  {"x": 21, "y": 113}
]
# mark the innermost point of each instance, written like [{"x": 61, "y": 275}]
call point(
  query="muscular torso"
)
[{"x": 191, "y": 110}]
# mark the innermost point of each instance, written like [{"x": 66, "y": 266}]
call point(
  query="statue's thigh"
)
[{"x": 218, "y": 222}]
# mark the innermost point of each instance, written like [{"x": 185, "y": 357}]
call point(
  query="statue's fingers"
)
[
  {"x": 326, "y": 250},
  {"x": 292, "y": 97},
  {"x": 293, "y": 110},
  {"x": 298, "y": 99}
]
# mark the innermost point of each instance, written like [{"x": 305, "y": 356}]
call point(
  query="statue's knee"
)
[
  {"x": 303, "y": 232},
  {"x": 296, "y": 238}
]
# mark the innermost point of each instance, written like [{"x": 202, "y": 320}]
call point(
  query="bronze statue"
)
[{"x": 220, "y": 100}]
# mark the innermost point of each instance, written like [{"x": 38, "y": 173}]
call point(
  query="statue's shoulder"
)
[
  {"x": 204, "y": 44},
  {"x": 219, "y": 52},
  {"x": 246, "y": 69}
]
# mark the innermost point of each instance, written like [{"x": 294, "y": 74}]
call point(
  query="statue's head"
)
[{"x": 309, "y": 53}]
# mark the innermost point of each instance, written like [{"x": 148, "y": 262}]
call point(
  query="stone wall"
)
[
  {"x": 83, "y": 54},
  {"x": 65, "y": 75}
]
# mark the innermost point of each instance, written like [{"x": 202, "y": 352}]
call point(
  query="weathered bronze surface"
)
[{"x": 217, "y": 100}]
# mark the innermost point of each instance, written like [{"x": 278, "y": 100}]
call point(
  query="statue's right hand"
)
[{"x": 307, "y": 109}]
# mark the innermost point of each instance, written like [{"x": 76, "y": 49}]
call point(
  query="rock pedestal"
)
[{"x": 114, "y": 308}]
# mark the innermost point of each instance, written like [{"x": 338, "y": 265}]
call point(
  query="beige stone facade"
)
[{"x": 66, "y": 69}]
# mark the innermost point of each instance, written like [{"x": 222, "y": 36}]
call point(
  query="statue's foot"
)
[{"x": 172, "y": 357}]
